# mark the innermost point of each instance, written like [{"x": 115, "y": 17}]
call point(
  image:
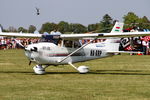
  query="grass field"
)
[{"x": 122, "y": 77}]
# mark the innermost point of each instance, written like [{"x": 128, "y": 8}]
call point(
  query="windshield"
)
[{"x": 50, "y": 38}]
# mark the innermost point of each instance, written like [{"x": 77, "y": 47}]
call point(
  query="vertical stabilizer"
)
[
  {"x": 118, "y": 28},
  {"x": 112, "y": 44}
]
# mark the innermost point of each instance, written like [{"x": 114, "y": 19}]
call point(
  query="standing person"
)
[
  {"x": 53, "y": 32},
  {"x": 3, "y": 43},
  {"x": 0, "y": 44},
  {"x": 144, "y": 46}
]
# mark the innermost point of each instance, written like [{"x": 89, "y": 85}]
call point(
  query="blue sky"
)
[{"x": 23, "y": 13}]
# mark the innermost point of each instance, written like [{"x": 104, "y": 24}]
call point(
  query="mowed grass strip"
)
[{"x": 121, "y": 77}]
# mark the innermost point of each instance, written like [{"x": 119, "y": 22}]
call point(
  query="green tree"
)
[
  {"x": 63, "y": 27},
  {"x": 105, "y": 24},
  {"x": 12, "y": 29},
  {"x": 2, "y": 29},
  {"x": 131, "y": 19},
  {"x": 92, "y": 27},
  {"x": 78, "y": 28},
  {"x": 48, "y": 27},
  {"x": 144, "y": 23},
  {"x": 21, "y": 29},
  {"x": 31, "y": 29}
]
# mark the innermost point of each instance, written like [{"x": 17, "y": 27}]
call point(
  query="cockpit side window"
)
[
  {"x": 48, "y": 48},
  {"x": 72, "y": 44},
  {"x": 77, "y": 44},
  {"x": 45, "y": 48},
  {"x": 68, "y": 43}
]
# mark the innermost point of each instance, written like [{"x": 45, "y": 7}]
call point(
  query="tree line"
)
[{"x": 131, "y": 20}]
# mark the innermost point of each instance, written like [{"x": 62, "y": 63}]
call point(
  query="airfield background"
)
[{"x": 131, "y": 20}]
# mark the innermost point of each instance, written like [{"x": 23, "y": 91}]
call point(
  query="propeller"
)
[
  {"x": 35, "y": 49},
  {"x": 19, "y": 43}
]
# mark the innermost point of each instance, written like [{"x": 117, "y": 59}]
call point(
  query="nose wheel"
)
[{"x": 39, "y": 69}]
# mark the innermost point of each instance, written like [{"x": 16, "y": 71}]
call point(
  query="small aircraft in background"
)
[
  {"x": 37, "y": 11},
  {"x": 60, "y": 49}
]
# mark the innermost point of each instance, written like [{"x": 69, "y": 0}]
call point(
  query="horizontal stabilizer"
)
[{"x": 123, "y": 52}]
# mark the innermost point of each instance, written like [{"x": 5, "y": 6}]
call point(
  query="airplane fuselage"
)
[{"x": 51, "y": 54}]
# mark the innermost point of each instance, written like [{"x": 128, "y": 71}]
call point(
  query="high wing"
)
[
  {"x": 30, "y": 35},
  {"x": 116, "y": 32},
  {"x": 104, "y": 35},
  {"x": 78, "y": 36}
]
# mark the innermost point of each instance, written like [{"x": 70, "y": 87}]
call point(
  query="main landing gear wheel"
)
[
  {"x": 81, "y": 69},
  {"x": 38, "y": 69}
]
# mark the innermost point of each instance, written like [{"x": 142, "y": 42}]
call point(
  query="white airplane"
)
[{"x": 67, "y": 49}]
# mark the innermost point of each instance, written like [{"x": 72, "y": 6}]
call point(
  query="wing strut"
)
[{"x": 76, "y": 50}]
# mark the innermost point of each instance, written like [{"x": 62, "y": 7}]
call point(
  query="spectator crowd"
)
[
  {"x": 11, "y": 43},
  {"x": 141, "y": 44}
]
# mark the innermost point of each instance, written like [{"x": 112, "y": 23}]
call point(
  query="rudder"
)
[{"x": 113, "y": 43}]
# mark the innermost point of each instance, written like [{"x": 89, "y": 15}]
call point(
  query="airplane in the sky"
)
[
  {"x": 60, "y": 49},
  {"x": 37, "y": 11}
]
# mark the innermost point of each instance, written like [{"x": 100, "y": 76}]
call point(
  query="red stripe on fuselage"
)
[
  {"x": 76, "y": 54},
  {"x": 118, "y": 27}
]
